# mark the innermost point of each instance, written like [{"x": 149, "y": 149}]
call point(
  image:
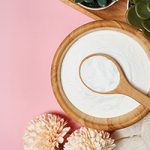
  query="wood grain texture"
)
[
  {"x": 124, "y": 87},
  {"x": 108, "y": 124},
  {"x": 115, "y": 12}
]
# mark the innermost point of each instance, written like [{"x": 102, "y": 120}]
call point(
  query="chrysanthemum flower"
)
[
  {"x": 46, "y": 132},
  {"x": 89, "y": 139}
]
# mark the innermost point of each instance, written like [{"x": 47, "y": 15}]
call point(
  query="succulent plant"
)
[
  {"x": 139, "y": 15},
  {"x": 95, "y": 3}
]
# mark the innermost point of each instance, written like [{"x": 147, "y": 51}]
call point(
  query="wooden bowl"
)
[{"x": 108, "y": 124}]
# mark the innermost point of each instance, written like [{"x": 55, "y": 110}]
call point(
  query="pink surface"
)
[{"x": 30, "y": 32}]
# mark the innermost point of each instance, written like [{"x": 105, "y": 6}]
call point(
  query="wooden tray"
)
[
  {"x": 108, "y": 124},
  {"x": 115, "y": 12}
]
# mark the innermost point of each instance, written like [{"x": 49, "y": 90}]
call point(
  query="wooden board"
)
[
  {"x": 108, "y": 124},
  {"x": 115, "y": 12}
]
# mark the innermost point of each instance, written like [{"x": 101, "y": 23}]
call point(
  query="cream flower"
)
[
  {"x": 46, "y": 132},
  {"x": 89, "y": 139}
]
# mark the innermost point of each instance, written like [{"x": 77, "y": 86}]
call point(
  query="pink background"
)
[{"x": 30, "y": 32}]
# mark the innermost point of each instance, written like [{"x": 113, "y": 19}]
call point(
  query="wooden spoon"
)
[{"x": 124, "y": 86}]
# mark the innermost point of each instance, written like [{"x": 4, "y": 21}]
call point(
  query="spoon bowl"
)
[{"x": 124, "y": 86}]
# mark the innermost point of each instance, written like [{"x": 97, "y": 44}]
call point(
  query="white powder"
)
[
  {"x": 100, "y": 74},
  {"x": 130, "y": 55}
]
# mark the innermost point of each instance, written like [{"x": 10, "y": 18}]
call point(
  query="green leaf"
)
[
  {"x": 102, "y": 3},
  {"x": 88, "y": 1},
  {"x": 131, "y": 1},
  {"x": 132, "y": 17},
  {"x": 134, "y": 1},
  {"x": 148, "y": 6},
  {"x": 78, "y": 1},
  {"x": 146, "y": 25},
  {"x": 142, "y": 9}
]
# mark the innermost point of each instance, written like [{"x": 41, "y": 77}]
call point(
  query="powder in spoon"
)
[{"x": 99, "y": 74}]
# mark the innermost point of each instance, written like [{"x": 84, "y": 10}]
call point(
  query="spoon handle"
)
[{"x": 139, "y": 96}]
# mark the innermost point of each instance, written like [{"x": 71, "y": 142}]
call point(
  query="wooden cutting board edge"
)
[{"x": 115, "y": 12}]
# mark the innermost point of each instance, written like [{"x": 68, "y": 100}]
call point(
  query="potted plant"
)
[
  {"x": 95, "y": 4},
  {"x": 138, "y": 15}
]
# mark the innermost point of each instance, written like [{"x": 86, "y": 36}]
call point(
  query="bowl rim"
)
[{"x": 108, "y": 124}]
